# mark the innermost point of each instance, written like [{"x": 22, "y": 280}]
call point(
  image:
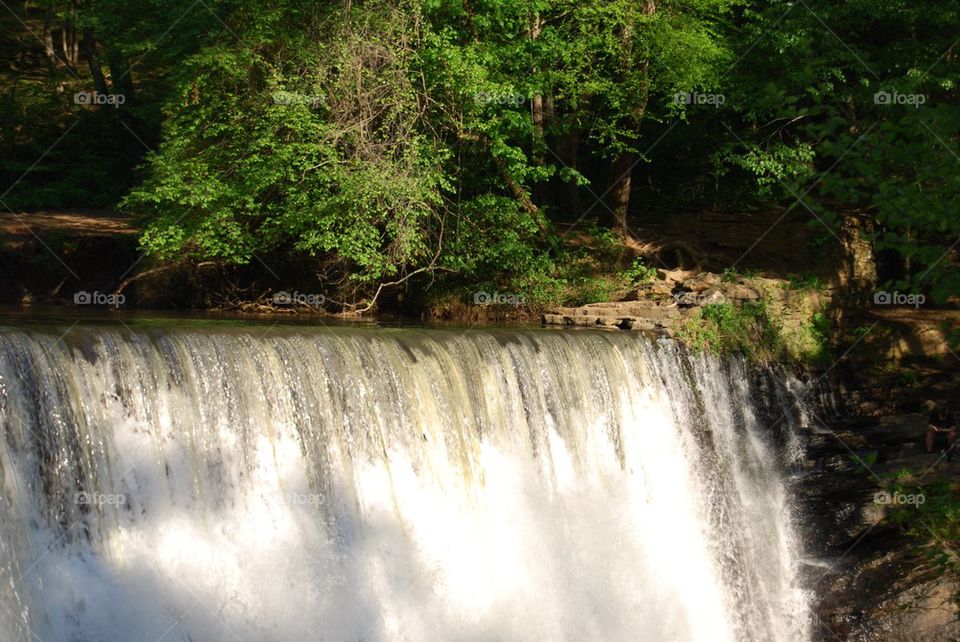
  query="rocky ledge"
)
[
  {"x": 873, "y": 579},
  {"x": 663, "y": 304},
  {"x": 626, "y": 315}
]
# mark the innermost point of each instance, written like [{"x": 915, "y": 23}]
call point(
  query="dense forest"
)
[{"x": 377, "y": 145}]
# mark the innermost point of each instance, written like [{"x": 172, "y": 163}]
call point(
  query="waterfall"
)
[{"x": 391, "y": 484}]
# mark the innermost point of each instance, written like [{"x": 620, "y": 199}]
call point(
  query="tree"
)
[{"x": 853, "y": 107}]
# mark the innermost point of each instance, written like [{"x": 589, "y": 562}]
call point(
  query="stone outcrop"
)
[
  {"x": 626, "y": 315},
  {"x": 873, "y": 581},
  {"x": 662, "y": 305}
]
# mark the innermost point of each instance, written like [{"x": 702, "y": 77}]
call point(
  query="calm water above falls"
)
[{"x": 364, "y": 484}]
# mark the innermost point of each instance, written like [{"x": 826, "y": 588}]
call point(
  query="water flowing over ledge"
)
[{"x": 358, "y": 484}]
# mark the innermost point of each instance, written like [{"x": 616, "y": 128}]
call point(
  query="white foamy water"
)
[{"x": 357, "y": 484}]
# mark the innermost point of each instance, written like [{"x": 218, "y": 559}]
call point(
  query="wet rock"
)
[{"x": 872, "y": 580}]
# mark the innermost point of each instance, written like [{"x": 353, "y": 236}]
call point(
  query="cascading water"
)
[{"x": 355, "y": 484}]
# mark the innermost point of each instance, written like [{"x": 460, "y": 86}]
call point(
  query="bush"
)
[
  {"x": 639, "y": 272},
  {"x": 728, "y": 329}
]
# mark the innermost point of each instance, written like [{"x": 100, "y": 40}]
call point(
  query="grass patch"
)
[
  {"x": 639, "y": 273},
  {"x": 755, "y": 331},
  {"x": 807, "y": 281}
]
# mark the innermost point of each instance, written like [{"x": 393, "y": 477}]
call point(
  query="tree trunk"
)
[
  {"x": 538, "y": 114},
  {"x": 621, "y": 169},
  {"x": 536, "y": 102},
  {"x": 619, "y": 194},
  {"x": 120, "y": 75},
  {"x": 568, "y": 193},
  {"x": 76, "y": 47},
  {"x": 48, "y": 40},
  {"x": 89, "y": 47}
]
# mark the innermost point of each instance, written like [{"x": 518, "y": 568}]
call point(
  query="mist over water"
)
[{"x": 354, "y": 484}]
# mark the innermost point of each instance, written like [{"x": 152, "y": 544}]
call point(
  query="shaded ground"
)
[
  {"x": 877, "y": 572},
  {"x": 50, "y": 256},
  {"x": 20, "y": 228}
]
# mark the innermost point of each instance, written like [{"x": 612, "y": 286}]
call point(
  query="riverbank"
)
[
  {"x": 876, "y": 511},
  {"x": 875, "y": 569}
]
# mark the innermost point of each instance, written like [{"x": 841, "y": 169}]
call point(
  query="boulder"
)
[
  {"x": 739, "y": 292},
  {"x": 872, "y": 581},
  {"x": 626, "y": 315},
  {"x": 701, "y": 282}
]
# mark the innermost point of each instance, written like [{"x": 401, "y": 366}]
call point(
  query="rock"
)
[
  {"x": 701, "y": 282},
  {"x": 872, "y": 581},
  {"x": 662, "y": 288},
  {"x": 712, "y": 296},
  {"x": 626, "y": 315},
  {"x": 739, "y": 292}
]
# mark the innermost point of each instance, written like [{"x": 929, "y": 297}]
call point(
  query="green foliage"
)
[
  {"x": 821, "y": 326},
  {"x": 733, "y": 275},
  {"x": 865, "y": 462},
  {"x": 807, "y": 281},
  {"x": 367, "y": 141},
  {"x": 726, "y": 328},
  {"x": 934, "y": 522},
  {"x": 755, "y": 330},
  {"x": 870, "y": 126},
  {"x": 953, "y": 336},
  {"x": 861, "y": 331},
  {"x": 243, "y": 172},
  {"x": 908, "y": 379},
  {"x": 639, "y": 272},
  {"x": 403, "y": 137},
  {"x": 607, "y": 246}
]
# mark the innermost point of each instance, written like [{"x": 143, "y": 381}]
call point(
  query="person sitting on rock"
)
[{"x": 941, "y": 423}]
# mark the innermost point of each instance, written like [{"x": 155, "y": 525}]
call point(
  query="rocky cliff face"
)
[{"x": 874, "y": 580}]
